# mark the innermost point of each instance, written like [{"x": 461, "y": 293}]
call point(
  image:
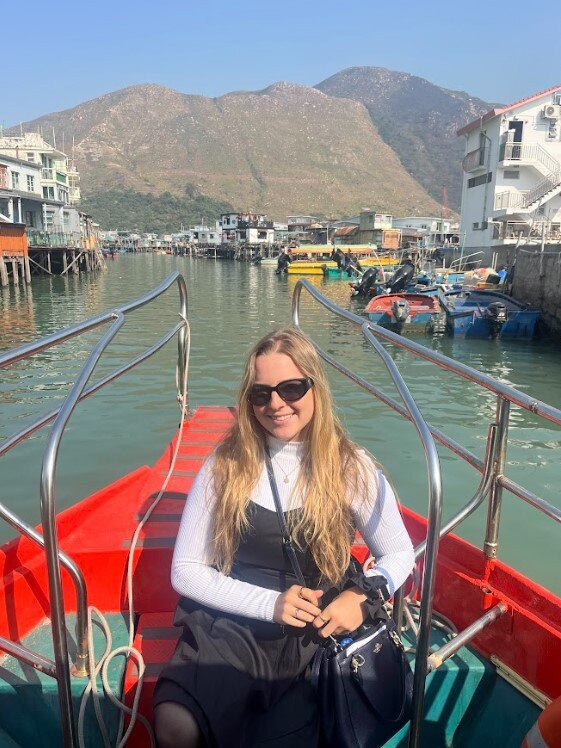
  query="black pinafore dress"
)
[{"x": 227, "y": 668}]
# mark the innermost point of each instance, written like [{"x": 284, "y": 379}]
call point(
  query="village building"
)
[
  {"x": 512, "y": 177},
  {"x": 21, "y": 197},
  {"x": 246, "y": 228},
  {"x": 300, "y": 228},
  {"x": 427, "y": 231},
  {"x": 376, "y": 228},
  {"x": 207, "y": 235}
]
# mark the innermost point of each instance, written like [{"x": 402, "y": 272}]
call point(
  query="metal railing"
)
[
  {"x": 59, "y": 669},
  {"x": 508, "y": 199},
  {"x": 528, "y": 198},
  {"x": 548, "y": 184},
  {"x": 493, "y": 481},
  {"x": 529, "y": 152},
  {"x": 47, "y": 173}
]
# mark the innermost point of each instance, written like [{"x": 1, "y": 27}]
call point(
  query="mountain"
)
[
  {"x": 286, "y": 149},
  {"x": 417, "y": 119}
]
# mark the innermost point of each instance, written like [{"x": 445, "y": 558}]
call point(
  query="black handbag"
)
[{"x": 365, "y": 688}]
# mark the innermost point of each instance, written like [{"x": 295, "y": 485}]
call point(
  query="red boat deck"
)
[{"x": 97, "y": 532}]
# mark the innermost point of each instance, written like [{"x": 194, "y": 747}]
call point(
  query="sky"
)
[{"x": 68, "y": 52}]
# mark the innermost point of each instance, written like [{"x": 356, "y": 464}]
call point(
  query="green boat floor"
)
[
  {"x": 29, "y": 709},
  {"x": 467, "y": 705}
]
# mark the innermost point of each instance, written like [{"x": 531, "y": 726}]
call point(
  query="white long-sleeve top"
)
[{"x": 377, "y": 518}]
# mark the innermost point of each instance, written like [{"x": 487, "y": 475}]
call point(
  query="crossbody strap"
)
[{"x": 286, "y": 539}]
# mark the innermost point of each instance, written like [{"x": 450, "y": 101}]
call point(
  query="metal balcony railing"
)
[
  {"x": 47, "y": 174},
  {"x": 528, "y": 153}
]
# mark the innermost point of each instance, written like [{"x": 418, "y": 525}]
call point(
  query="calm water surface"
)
[{"x": 129, "y": 423}]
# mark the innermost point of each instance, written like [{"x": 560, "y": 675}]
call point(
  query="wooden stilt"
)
[
  {"x": 15, "y": 274},
  {"x": 64, "y": 262},
  {"x": 27, "y": 270},
  {"x": 3, "y": 273},
  {"x": 49, "y": 269},
  {"x": 75, "y": 268}
]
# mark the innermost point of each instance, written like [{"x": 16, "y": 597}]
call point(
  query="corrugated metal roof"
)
[
  {"x": 502, "y": 109},
  {"x": 346, "y": 231}
]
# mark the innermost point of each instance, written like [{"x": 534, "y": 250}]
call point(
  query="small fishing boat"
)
[
  {"x": 485, "y": 640},
  {"x": 481, "y": 313},
  {"x": 400, "y": 311}
]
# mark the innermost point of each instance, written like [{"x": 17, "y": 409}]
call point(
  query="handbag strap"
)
[{"x": 286, "y": 539}]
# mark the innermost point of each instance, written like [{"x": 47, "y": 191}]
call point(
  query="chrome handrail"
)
[
  {"x": 492, "y": 467},
  {"x": 434, "y": 491},
  {"x": 61, "y": 416}
]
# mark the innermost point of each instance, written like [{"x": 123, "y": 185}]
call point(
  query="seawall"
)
[{"x": 537, "y": 281}]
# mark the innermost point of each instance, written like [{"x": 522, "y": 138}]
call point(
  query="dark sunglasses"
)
[{"x": 290, "y": 391}]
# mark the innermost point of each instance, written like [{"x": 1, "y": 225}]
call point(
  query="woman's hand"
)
[
  {"x": 344, "y": 614},
  {"x": 297, "y": 606}
]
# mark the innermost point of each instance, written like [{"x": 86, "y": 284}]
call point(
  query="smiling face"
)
[{"x": 286, "y": 421}]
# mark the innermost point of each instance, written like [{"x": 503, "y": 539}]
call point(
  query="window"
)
[
  {"x": 30, "y": 183},
  {"x": 29, "y": 217},
  {"x": 49, "y": 219},
  {"x": 49, "y": 193},
  {"x": 476, "y": 181},
  {"x": 511, "y": 174},
  {"x": 31, "y": 157},
  {"x": 66, "y": 219},
  {"x": 15, "y": 180}
]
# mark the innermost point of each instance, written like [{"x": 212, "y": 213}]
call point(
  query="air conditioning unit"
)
[{"x": 552, "y": 111}]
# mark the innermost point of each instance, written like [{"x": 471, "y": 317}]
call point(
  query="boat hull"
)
[
  {"x": 469, "y": 316},
  {"x": 406, "y": 311}
]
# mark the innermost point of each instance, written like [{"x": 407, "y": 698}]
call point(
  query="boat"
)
[
  {"x": 481, "y": 313},
  {"x": 485, "y": 640},
  {"x": 406, "y": 311},
  {"x": 316, "y": 259}
]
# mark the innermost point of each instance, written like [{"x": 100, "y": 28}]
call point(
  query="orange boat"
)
[{"x": 495, "y": 636}]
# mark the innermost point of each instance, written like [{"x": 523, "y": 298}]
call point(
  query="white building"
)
[
  {"x": 429, "y": 224},
  {"x": 512, "y": 175},
  {"x": 59, "y": 181},
  {"x": 246, "y": 228},
  {"x": 22, "y": 198}
]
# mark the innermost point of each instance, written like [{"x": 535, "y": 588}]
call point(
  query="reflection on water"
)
[{"x": 230, "y": 305}]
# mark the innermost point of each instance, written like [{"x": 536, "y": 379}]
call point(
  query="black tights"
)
[{"x": 176, "y": 727}]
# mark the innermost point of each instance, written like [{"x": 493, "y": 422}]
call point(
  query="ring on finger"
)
[
  {"x": 324, "y": 620},
  {"x": 300, "y": 592}
]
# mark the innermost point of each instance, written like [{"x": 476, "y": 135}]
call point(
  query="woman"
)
[{"x": 249, "y": 630}]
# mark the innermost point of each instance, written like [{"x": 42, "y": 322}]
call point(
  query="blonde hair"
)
[{"x": 331, "y": 470}]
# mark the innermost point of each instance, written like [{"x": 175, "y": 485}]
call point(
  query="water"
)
[{"x": 231, "y": 304}]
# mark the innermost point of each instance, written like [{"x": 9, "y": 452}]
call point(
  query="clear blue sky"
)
[{"x": 61, "y": 54}]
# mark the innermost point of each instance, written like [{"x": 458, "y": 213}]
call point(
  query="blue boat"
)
[{"x": 488, "y": 315}]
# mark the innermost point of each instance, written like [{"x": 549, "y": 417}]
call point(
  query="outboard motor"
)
[
  {"x": 401, "y": 278},
  {"x": 400, "y": 311},
  {"x": 496, "y": 313},
  {"x": 338, "y": 257},
  {"x": 368, "y": 280},
  {"x": 282, "y": 263}
]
